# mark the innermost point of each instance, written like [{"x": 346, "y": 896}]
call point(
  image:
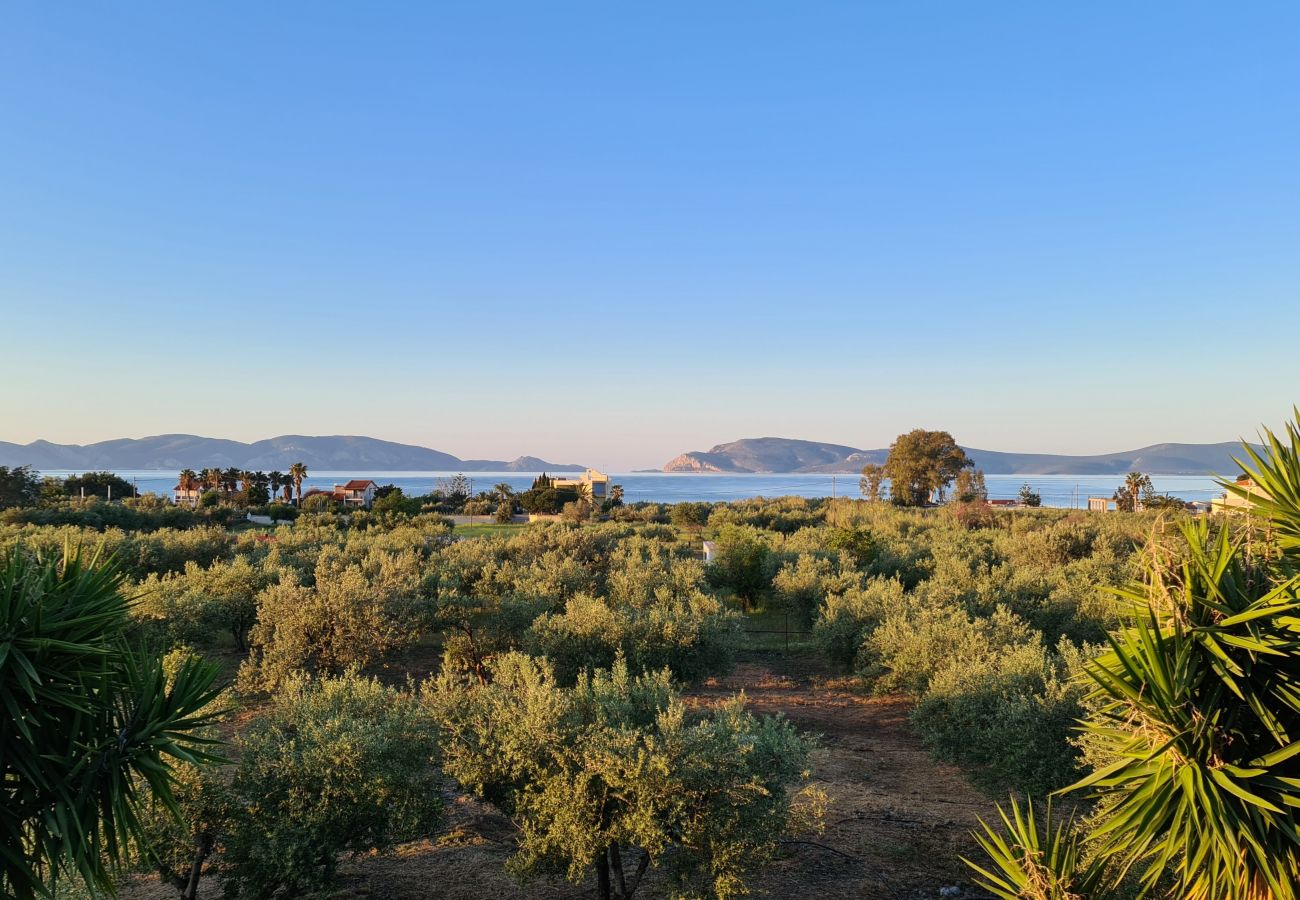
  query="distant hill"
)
[
  {"x": 785, "y": 455},
  {"x": 325, "y": 453}
]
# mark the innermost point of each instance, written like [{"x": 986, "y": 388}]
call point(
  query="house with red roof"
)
[{"x": 357, "y": 492}]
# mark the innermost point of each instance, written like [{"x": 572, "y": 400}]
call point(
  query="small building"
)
[
  {"x": 1231, "y": 502},
  {"x": 357, "y": 492},
  {"x": 187, "y": 496},
  {"x": 590, "y": 484},
  {"x": 1102, "y": 504},
  {"x": 710, "y": 551}
]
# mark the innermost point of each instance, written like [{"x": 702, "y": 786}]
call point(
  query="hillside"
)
[
  {"x": 785, "y": 455},
  {"x": 325, "y": 453}
]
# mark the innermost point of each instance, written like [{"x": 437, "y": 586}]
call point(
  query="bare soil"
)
[{"x": 896, "y": 825}]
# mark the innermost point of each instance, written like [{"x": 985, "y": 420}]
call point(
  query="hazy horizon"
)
[
  {"x": 610, "y": 235},
  {"x": 509, "y": 454}
]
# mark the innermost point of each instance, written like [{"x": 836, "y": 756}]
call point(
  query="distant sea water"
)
[{"x": 1065, "y": 491}]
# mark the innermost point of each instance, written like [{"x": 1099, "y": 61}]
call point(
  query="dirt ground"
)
[{"x": 895, "y": 827}]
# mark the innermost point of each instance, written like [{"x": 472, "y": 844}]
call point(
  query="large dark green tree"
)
[
  {"x": 98, "y": 484},
  {"x": 85, "y": 720},
  {"x": 921, "y": 465},
  {"x": 19, "y": 486}
]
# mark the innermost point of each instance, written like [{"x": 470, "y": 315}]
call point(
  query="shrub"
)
[
  {"x": 282, "y": 512},
  {"x": 318, "y": 503},
  {"x": 1008, "y": 716},
  {"x": 743, "y": 562},
  {"x": 357, "y": 610},
  {"x": 693, "y": 636},
  {"x": 858, "y": 543},
  {"x": 845, "y": 619},
  {"x": 344, "y": 764},
  {"x": 915, "y": 643},
  {"x": 616, "y": 764},
  {"x": 801, "y": 585}
]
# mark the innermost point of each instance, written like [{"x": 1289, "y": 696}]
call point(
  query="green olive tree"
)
[{"x": 616, "y": 771}]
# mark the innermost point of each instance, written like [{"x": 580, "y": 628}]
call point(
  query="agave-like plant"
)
[
  {"x": 1033, "y": 863},
  {"x": 1199, "y": 704},
  {"x": 84, "y": 721}
]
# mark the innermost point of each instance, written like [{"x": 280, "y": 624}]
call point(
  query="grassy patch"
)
[
  {"x": 488, "y": 529},
  {"x": 766, "y": 629}
]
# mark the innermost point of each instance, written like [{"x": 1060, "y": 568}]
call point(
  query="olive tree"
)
[
  {"x": 340, "y": 765},
  {"x": 359, "y": 608},
  {"x": 614, "y": 774}
]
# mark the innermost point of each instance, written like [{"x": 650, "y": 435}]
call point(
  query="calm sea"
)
[{"x": 1056, "y": 490}]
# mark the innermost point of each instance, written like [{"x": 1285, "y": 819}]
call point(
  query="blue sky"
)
[{"x": 607, "y": 235}]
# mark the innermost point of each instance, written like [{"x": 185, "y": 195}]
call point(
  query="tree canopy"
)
[
  {"x": 921, "y": 465},
  {"x": 617, "y": 765},
  {"x": 19, "y": 486}
]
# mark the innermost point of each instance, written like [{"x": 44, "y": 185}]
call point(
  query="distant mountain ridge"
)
[
  {"x": 770, "y": 455},
  {"x": 327, "y": 453}
]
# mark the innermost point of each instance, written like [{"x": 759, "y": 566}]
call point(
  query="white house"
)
[{"x": 357, "y": 492}]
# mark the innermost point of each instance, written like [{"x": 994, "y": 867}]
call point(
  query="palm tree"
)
[
  {"x": 298, "y": 471},
  {"x": 503, "y": 491},
  {"x": 616, "y": 494},
  {"x": 246, "y": 480},
  {"x": 1135, "y": 487},
  {"x": 276, "y": 480},
  {"x": 212, "y": 479},
  {"x": 186, "y": 480},
  {"x": 88, "y": 718}
]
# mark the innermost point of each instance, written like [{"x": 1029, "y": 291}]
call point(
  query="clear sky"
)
[{"x": 608, "y": 233}]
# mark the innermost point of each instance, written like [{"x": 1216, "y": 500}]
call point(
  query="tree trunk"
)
[
  {"x": 602, "y": 876},
  {"x": 196, "y": 868},
  {"x": 640, "y": 873},
  {"x": 616, "y": 863}
]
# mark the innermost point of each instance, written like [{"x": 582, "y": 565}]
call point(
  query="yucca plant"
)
[
  {"x": 1033, "y": 863},
  {"x": 1199, "y": 704},
  {"x": 84, "y": 720}
]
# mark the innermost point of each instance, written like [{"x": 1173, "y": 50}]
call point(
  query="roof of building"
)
[{"x": 358, "y": 484}]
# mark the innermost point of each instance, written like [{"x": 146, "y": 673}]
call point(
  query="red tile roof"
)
[{"x": 357, "y": 484}]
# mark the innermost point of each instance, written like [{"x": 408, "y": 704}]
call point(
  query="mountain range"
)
[
  {"x": 785, "y": 455},
  {"x": 325, "y": 453}
]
